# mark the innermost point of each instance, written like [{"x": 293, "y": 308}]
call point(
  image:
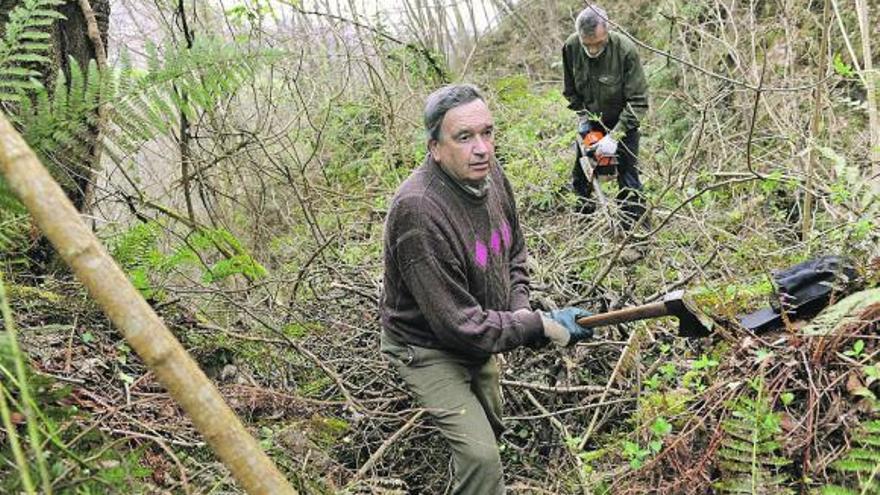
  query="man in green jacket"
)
[
  {"x": 456, "y": 288},
  {"x": 604, "y": 83}
]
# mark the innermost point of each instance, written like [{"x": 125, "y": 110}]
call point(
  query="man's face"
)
[
  {"x": 596, "y": 43},
  {"x": 466, "y": 148}
]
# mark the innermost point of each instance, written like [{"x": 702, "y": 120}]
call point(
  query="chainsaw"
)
[
  {"x": 597, "y": 168},
  {"x": 595, "y": 165}
]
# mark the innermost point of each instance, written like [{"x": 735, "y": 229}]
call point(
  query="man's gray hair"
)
[
  {"x": 589, "y": 19},
  {"x": 445, "y": 99}
]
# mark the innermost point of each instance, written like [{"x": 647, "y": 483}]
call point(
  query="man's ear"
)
[{"x": 432, "y": 148}]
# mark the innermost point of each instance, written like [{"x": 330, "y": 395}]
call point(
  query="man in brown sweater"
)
[{"x": 456, "y": 289}]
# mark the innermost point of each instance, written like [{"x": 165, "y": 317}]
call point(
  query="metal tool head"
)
[
  {"x": 803, "y": 290},
  {"x": 691, "y": 321}
]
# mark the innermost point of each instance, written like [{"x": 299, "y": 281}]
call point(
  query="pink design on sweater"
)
[
  {"x": 495, "y": 242},
  {"x": 481, "y": 250},
  {"x": 481, "y": 254},
  {"x": 505, "y": 233}
]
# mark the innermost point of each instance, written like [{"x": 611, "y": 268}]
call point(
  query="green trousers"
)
[{"x": 464, "y": 399}]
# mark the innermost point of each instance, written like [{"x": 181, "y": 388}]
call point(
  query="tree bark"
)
[
  {"x": 70, "y": 38},
  {"x": 97, "y": 33},
  {"x": 56, "y": 216}
]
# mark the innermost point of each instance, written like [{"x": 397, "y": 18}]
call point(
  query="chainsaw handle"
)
[
  {"x": 589, "y": 151},
  {"x": 635, "y": 313}
]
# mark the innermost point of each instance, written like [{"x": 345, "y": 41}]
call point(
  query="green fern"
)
[
  {"x": 859, "y": 196},
  {"x": 141, "y": 104},
  {"x": 238, "y": 264},
  {"x": 236, "y": 260},
  {"x": 14, "y": 223},
  {"x": 749, "y": 459},
  {"x": 148, "y": 104},
  {"x": 136, "y": 246},
  {"x": 25, "y": 45},
  {"x": 64, "y": 121},
  {"x": 861, "y": 466},
  {"x": 137, "y": 251}
]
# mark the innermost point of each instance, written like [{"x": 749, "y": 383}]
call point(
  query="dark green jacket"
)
[{"x": 612, "y": 86}]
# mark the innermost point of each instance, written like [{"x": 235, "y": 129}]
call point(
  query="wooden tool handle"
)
[{"x": 635, "y": 313}]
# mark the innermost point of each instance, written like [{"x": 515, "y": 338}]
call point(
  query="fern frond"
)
[
  {"x": 837, "y": 490},
  {"x": 852, "y": 465},
  {"x": 141, "y": 105},
  {"x": 131, "y": 248},
  {"x": 62, "y": 121},
  {"x": 14, "y": 223},
  {"x": 59, "y": 105},
  {"x": 95, "y": 87},
  {"x": 860, "y": 468},
  {"x": 24, "y": 44},
  {"x": 865, "y": 455},
  {"x": 748, "y": 456},
  {"x": 178, "y": 81}
]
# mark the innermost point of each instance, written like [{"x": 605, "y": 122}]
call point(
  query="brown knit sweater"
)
[{"x": 455, "y": 267}]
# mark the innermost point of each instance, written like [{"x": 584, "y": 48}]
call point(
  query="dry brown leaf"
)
[
  {"x": 853, "y": 384},
  {"x": 17, "y": 418}
]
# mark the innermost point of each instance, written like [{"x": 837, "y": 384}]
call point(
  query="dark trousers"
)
[{"x": 629, "y": 194}]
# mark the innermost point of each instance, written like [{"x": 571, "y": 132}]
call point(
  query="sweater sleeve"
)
[{"x": 436, "y": 278}]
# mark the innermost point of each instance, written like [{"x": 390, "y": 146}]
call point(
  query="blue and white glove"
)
[
  {"x": 607, "y": 146},
  {"x": 583, "y": 124},
  {"x": 561, "y": 326}
]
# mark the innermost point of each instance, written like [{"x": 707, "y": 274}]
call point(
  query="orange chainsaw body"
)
[{"x": 605, "y": 166}]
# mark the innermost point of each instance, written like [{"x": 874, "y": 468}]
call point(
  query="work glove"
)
[
  {"x": 583, "y": 124},
  {"x": 561, "y": 326},
  {"x": 607, "y": 146}
]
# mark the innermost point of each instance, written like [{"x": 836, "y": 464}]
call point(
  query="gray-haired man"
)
[
  {"x": 456, "y": 289},
  {"x": 604, "y": 83}
]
